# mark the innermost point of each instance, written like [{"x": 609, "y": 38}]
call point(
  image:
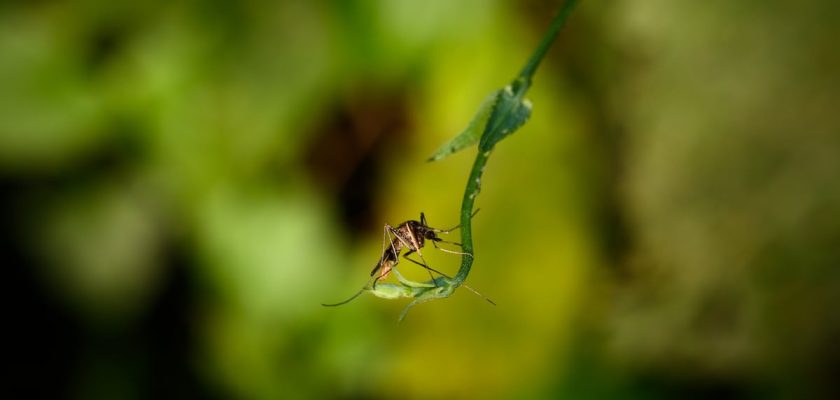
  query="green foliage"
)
[
  {"x": 510, "y": 112},
  {"x": 500, "y": 114},
  {"x": 474, "y": 130}
]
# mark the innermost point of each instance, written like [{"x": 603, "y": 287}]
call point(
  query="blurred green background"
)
[{"x": 184, "y": 182}]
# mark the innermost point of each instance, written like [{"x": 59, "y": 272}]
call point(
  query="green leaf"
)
[
  {"x": 471, "y": 134},
  {"x": 510, "y": 113},
  {"x": 392, "y": 291}
]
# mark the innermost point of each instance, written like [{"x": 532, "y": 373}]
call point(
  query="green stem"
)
[
  {"x": 520, "y": 86},
  {"x": 524, "y": 78},
  {"x": 473, "y": 187}
]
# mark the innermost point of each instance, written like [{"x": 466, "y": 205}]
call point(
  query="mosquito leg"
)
[
  {"x": 447, "y": 242},
  {"x": 480, "y": 295},
  {"x": 460, "y": 253},
  {"x": 425, "y": 266},
  {"x": 456, "y": 226},
  {"x": 389, "y": 256},
  {"x": 385, "y": 239},
  {"x": 449, "y": 251}
]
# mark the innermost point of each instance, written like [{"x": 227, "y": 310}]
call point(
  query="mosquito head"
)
[{"x": 430, "y": 235}]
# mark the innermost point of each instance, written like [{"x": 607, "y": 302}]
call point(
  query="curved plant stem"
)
[
  {"x": 519, "y": 86},
  {"x": 473, "y": 187}
]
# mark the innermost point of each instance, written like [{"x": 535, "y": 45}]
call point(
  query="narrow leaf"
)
[{"x": 472, "y": 133}]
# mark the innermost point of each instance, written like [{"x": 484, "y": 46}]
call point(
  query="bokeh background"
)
[{"x": 184, "y": 182}]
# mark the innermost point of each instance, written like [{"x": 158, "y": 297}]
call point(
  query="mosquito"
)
[{"x": 411, "y": 235}]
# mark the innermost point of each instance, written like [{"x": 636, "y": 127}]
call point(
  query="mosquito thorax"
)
[{"x": 421, "y": 231}]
